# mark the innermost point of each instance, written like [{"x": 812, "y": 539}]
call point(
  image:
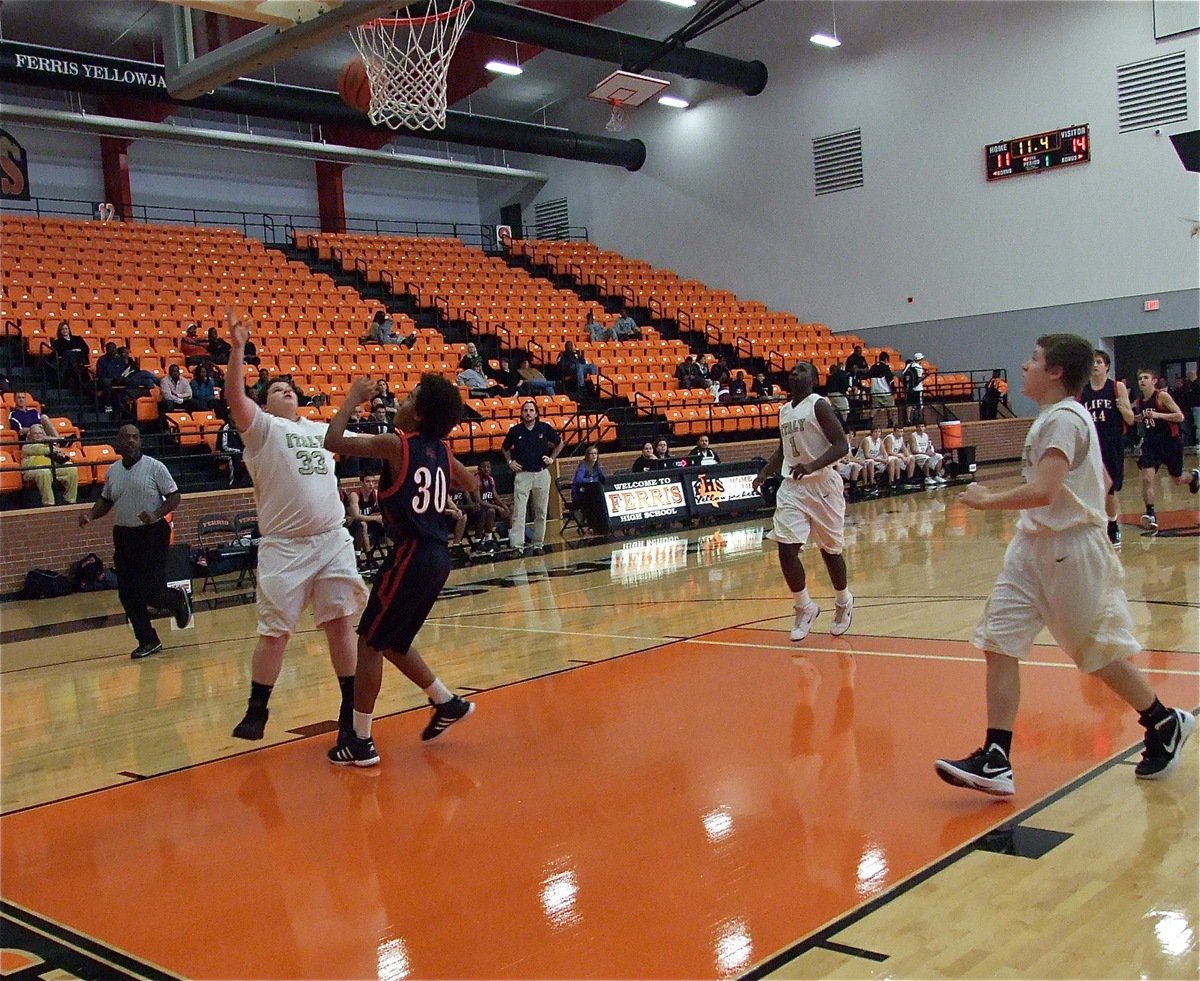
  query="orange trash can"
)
[{"x": 952, "y": 436}]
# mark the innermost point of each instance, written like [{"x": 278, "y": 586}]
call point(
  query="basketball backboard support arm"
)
[{"x": 188, "y": 77}]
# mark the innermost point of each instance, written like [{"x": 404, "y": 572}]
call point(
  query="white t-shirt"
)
[
  {"x": 295, "y": 488},
  {"x": 803, "y": 438},
  {"x": 872, "y": 449},
  {"x": 894, "y": 445},
  {"x": 1065, "y": 426}
]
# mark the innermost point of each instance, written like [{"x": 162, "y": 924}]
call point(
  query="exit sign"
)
[{"x": 1150, "y": 305}]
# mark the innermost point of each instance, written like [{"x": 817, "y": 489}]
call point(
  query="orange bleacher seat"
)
[{"x": 11, "y": 478}]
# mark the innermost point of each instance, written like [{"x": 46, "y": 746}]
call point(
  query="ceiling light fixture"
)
[
  {"x": 681, "y": 3},
  {"x": 673, "y": 101},
  {"x": 824, "y": 40},
  {"x": 503, "y": 68}
]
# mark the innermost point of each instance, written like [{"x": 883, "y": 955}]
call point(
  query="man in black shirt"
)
[
  {"x": 856, "y": 363},
  {"x": 530, "y": 447}
]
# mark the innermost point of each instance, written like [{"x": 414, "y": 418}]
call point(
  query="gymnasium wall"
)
[{"x": 726, "y": 195}]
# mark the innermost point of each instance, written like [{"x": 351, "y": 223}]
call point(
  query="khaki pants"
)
[
  {"x": 527, "y": 486},
  {"x": 42, "y": 478}
]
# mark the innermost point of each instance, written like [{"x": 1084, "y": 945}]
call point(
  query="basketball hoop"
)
[
  {"x": 105, "y": 212},
  {"x": 406, "y": 60},
  {"x": 617, "y": 120}
]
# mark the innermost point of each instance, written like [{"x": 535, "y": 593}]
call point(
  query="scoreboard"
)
[{"x": 1037, "y": 153}]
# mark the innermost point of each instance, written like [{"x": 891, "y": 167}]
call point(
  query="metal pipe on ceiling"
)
[
  {"x": 27, "y": 64},
  {"x": 630, "y": 51},
  {"x": 134, "y": 129}
]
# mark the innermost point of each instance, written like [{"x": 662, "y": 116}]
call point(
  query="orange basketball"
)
[{"x": 353, "y": 85}]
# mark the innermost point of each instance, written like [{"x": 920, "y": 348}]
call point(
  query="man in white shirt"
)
[
  {"x": 305, "y": 555},
  {"x": 176, "y": 391},
  {"x": 810, "y": 505},
  {"x": 1059, "y": 572}
]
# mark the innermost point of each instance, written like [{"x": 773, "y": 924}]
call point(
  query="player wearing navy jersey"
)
[
  {"x": 1162, "y": 444},
  {"x": 1107, "y": 401},
  {"x": 418, "y": 473}
]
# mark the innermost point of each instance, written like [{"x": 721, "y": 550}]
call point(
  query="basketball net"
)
[
  {"x": 617, "y": 120},
  {"x": 406, "y": 59}
]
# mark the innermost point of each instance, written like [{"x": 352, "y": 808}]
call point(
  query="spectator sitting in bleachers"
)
[
  {"x": 71, "y": 355},
  {"x": 382, "y": 330},
  {"x": 204, "y": 389},
  {"x": 258, "y": 391},
  {"x": 763, "y": 389},
  {"x": 478, "y": 383},
  {"x": 219, "y": 349},
  {"x": 472, "y": 359},
  {"x": 703, "y": 454},
  {"x": 384, "y": 394},
  {"x": 928, "y": 459},
  {"x": 574, "y": 366},
  {"x": 533, "y": 382},
  {"x": 627, "y": 329},
  {"x": 662, "y": 453},
  {"x": 36, "y": 455},
  {"x": 192, "y": 347},
  {"x": 22, "y": 417},
  {"x": 176, "y": 392},
  {"x": 111, "y": 367},
  {"x": 597, "y": 331},
  {"x": 895, "y": 444},
  {"x": 647, "y": 461},
  {"x": 737, "y": 387},
  {"x": 589, "y": 471},
  {"x": 718, "y": 371},
  {"x": 688, "y": 373}
]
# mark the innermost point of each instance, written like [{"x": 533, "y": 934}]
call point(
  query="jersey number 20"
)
[{"x": 431, "y": 487}]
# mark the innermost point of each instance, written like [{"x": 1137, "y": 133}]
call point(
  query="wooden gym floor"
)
[{"x": 656, "y": 783}]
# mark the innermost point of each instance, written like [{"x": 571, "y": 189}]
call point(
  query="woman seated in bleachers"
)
[
  {"x": 44, "y": 465},
  {"x": 71, "y": 356}
]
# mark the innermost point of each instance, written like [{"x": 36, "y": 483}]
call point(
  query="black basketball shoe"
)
[
  {"x": 183, "y": 613},
  {"x": 985, "y": 769},
  {"x": 445, "y": 715},
  {"x": 1164, "y": 742},
  {"x": 253, "y": 724},
  {"x": 353, "y": 751},
  {"x": 1194, "y": 483},
  {"x": 145, "y": 650}
]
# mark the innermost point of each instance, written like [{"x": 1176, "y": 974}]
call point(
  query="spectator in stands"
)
[
  {"x": 530, "y": 447},
  {"x": 627, "y": 329},
  {"x": 574, "y": 366},
  {"x": 995, "y": 393},
  {"x": 703, "y": 454},
  {"x": 737, "y": 387},
  {"x": 219, "y": 349},
  {"x": 250, "y": 353},
  {"x": 589, "y": 471},
  {"x": 204, "y": 389},
  {"x": 533, "y": 382},
  {"x": 139, "y": 383},
  {"x": 45, "y": 465},
  {"x": 688, "y": 374},
  {"x": 364, "y": 520},
  {"x": 837, "y": 390},
  {"x": 382, "y": 330},
  {"x": 111, "y": 367},
  {"x": 476, "y": 381},
  {"x": 22, "y": 417},
  {"x": 913, "y": 377},
  {"x": 762, "y": 389},
  {"x": 929, "y": 460},
  {"x": 71, "y": 355},
  {"x": 384, "y": 394},
  {"x": 192, "y": 347},
  {"x": 647, "y": 461},
  {"x": 472, "y": 360},
  {"x": 176, "y": 392},
  {"x": 597, "y": 331},
  {"x": 719, "y": 371},
  {"x": 377, "y": 422},
  {"x": 882, "y": 384},
  {"x": 662, "y": 453},
  {"x": 231, "y": 448},
  {"x": 259, "y": 390},
  {"x": 895, "y": 444},
  {"x": 494, "y": 509},
  {"x": 856, "y": 363}
]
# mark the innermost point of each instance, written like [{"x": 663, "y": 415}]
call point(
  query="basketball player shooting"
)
[
  {"x": 1061, "y": 572},
  {"x": 305, "y": 555},
  {"x": 810, "y": 504},
  {"x": 418, "y": 472}
]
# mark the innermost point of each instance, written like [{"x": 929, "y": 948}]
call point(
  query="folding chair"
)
[
  {"x": 245, "y": 526},
  {"x": 570, "y": 516},
  {"x": 214, "y": 532}
]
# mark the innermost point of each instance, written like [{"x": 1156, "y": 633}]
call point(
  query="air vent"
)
[
  {"x": 552, "y": 219},
  {"x": 837, "y": 162},
  {"x": 1152, "y": 92}
]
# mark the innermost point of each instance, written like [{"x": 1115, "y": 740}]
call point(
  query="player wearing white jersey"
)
[
  {"x": 810, "y": 505},
  {"x": 1060, "y": 572},
  {"x": 928, "y": 459},
  {"x": 305, "y": 555},
  {"x": 895, "y": 444}
]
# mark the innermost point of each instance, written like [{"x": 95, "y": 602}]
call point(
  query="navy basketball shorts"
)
[
  {"x": 1162, "y": 453},
  {"x": 1112, "y": 452},
  {"x": 405, "y": 590}
]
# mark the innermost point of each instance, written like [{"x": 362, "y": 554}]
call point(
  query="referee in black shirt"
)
[{"x": 530, "y": 447}]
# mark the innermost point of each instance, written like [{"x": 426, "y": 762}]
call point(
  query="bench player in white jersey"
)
[
  {"x": 895, "y": 444},
  {"x": 305, "y": 555},
  {"x": 1059, "y": 571},
  {"x": 810, "y": 505},
  {"x": 929, "y": 460}
]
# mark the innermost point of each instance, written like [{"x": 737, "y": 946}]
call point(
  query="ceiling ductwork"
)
[
  {"x": 631, "y": 52},
  {"x": 25, "y": 64}
]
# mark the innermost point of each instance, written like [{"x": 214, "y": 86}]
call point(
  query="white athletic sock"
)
[
  {"x": 842, "y": 596},
  {"x": 801, "y": 599},
  {"x": 362, "y": 725},
  {"x": 438, "y": 693}
]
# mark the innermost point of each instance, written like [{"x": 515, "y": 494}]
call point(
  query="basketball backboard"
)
[
  {"x": 281, "y": 13},
  {"x": 627, "y": 89}
]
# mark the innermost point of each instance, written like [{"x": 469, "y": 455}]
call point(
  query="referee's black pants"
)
[{"x": 140, "y": 559}]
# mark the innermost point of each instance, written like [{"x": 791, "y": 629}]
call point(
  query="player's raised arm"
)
[
  {"x": 241, "y": 407},
  {"x": 385, "y": 446}
]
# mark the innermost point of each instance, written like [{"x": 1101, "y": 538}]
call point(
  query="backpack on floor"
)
[
  {"x": 88, "y": 573},
  {"x": 45, "y": 584}
]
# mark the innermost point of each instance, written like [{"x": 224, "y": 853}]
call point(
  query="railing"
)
[
  {"x": 628, "y": 297},
  {"x": 712, "y": 334},
  {"x": 656, "y": 308},
  {"x": 648, "y": 410},
  {"x": 743, "y": 347},
  {"x": 684, "y": 320}
]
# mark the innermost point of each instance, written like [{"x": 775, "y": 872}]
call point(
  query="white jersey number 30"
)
[{"x": 431, "y": 486}]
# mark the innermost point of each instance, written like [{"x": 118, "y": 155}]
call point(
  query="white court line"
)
[{"x": 549, "y": 630}]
